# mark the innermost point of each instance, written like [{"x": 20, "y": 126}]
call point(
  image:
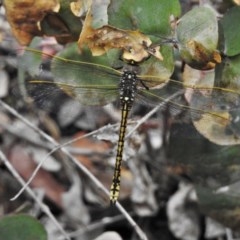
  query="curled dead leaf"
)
[
  {"x": 24, "y": 17},
  {"x": 237, "y": 2},
  {"x": 135, "y": 45},
  {"x": 202, "y": 57},
  {"x": 80, "y": 7}
]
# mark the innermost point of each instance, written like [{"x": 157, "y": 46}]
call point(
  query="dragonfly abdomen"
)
[{"x": 127, "y": 91}]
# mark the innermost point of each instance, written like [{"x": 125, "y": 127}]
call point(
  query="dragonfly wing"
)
[
  {"x": 92, "y": 95},
  {"x": 169, "y": 94},
  {"x": 87, "y": 95},
  {"x": 90, "y": 83},
  {"x": 217, "y": 95},
  {"x": 215, "y": 113}
]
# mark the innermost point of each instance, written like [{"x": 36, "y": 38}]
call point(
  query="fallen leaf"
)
[
  {"x": 202, "y": 56},
  {"x": 237, "y": 2},
  {"x": 25, "y": 165},
  {"x": 80, "y": 7},
  {"x": 93, "y": 146},
  {"x": 24, "y": 17}
]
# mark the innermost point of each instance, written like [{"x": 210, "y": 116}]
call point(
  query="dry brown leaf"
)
[
  {"x": 202, "y": 55},
  {"x": 89, "y": 144},
  {"x": 237, "y": 2},
  {"x": 135, "y": 45},
  {"x": 25, "y": 165},
  {"x": 96, "y": 166},
  {"x": 80, "y": 7},
  {"x": 24, "y": 17}
]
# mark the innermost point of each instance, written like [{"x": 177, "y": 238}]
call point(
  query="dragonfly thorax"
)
[{"x": 128, "y": 87}]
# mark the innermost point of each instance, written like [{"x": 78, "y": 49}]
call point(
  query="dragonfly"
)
[{"x": 94, "y": 83}]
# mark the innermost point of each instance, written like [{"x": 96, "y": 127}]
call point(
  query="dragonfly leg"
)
[{"x": 144, "y": 85}]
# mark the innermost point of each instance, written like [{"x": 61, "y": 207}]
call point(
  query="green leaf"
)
[
  {"x": 150, "y": 17},
  {"x": 220, "y": 206},
  {"x": 229, "y": 73},
  {"x": 197, "y": 34},
  {"x": 230, "y": 25},
  {"x": 21, "y": 227},
  {"x": 213, "y": 169}
]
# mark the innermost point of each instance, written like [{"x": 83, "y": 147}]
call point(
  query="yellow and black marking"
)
[
  {"x": 127, "y": 91},
  {"x": 115, "y": 187}
]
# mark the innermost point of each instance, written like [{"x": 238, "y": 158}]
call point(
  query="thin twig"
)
[
  {"x": 43, "y": 144},
  {"x": 95, "y": 225},
  {"x": 40, "y": 164},
  {"x": 99, "y": 185},
  {"x": 139, "y": 123},
  {"x": 32, "y": 194}
]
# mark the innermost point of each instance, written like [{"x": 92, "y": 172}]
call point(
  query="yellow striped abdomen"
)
[
  {"x": 127, "y": 90},
  {"x": 115, "y": 187}
]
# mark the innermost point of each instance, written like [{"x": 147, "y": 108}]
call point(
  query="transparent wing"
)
[
  {"x": 214, "y": 111},
  {"x": 90, "y": 83},
  {"x": 92, "y": 95},
  {"x": 86, "y": 78}
]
